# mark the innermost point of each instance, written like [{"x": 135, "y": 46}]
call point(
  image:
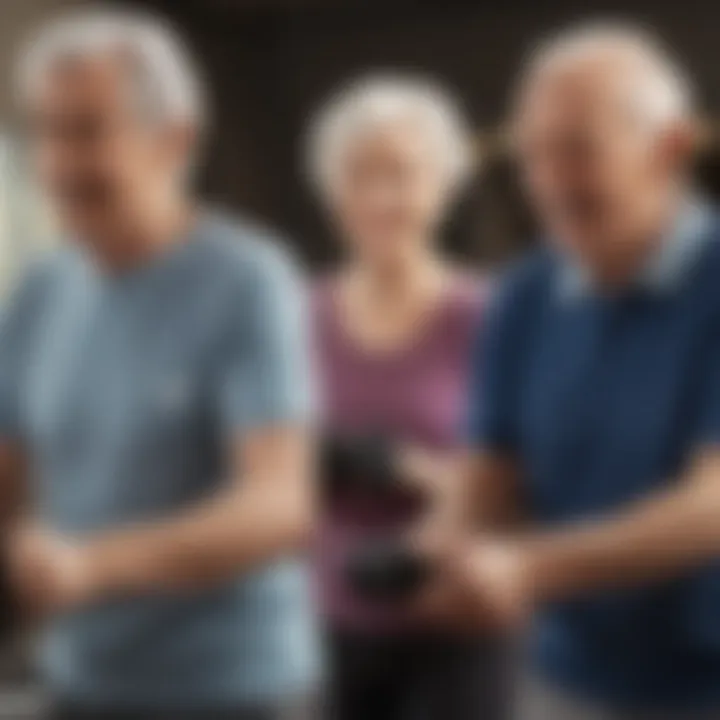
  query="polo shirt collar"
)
[{"x": 669, "y": 262}]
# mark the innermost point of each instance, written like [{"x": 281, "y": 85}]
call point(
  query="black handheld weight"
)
[
  {"x": 387, "y": 570},
  {"x": 9, "y": 610},
  {"x": 357, "y": 464}
]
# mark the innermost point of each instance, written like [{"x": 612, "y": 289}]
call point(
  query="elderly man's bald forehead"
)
[
  {"x": 619, "y": 70},
  {"x": 601, "y": 54},
  {"x": 597, "y": 84}
]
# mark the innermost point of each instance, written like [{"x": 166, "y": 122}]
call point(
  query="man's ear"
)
[
  {"x": 182, "y": 145},
  {"x": 682, "y": 141}
]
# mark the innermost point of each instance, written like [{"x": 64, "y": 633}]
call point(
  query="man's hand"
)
[
  {"x": 479, "y": 584},
  {"x": 498, "y": 575},
  {"x": 50, "y": 573}
]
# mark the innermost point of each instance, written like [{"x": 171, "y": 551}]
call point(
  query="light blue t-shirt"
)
[{"x": 125, "y": 390}]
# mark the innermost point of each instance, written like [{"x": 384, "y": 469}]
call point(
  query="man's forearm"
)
[
  {"x": 652, "y": 541},
  {"x": 228, "y": 535},
  {"x": 495, "y": 500}
]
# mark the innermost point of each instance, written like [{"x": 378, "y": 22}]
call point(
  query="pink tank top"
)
[{"x": 415, "y": 396}]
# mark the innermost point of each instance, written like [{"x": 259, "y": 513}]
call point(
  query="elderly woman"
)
[{"x": 394, "y": 330}]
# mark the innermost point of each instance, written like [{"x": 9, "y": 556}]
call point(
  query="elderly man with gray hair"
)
[
  {"x": 154, "y": 377},
  {"x": 596, "y": 426}
]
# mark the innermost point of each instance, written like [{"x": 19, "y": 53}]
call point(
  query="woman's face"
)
[{"x": 389, "y": 192}]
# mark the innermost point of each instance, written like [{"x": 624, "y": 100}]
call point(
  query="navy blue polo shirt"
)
[{"x": 603, "y": 400}]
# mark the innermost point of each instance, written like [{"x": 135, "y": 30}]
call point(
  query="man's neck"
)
[{"x": 631, "y": 252}]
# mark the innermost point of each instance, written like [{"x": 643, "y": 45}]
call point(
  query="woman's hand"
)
[{"x": 430, "y": 471}]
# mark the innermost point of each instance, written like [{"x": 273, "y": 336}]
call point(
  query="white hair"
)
[
  {"x": 662, "y": 92},
  {"x": 380, "y": 101},
  {"x": 164, "y": 81}
]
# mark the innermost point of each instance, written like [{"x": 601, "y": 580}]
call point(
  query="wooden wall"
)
[{"x": 270, "y": 63}]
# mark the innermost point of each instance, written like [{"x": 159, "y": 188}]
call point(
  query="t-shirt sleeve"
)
[
  {"x": 494, "y": 377},
  {"x": 265, "y": 375},
  {"x": 16, "y": 320}
]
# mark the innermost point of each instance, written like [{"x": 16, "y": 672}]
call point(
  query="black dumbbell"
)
[
  {"x": 10, "y": 615},
  {"x": 387, "y": 570},
  {"x": 363, "y": 464}
]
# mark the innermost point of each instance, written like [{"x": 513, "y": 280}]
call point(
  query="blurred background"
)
[{"x": 269, "y": 63}]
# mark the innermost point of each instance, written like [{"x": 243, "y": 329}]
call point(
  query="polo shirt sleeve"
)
[
  {"x": 16, "y": 319},
  {"x": 494, "y": 381},
  {"x": 265, "y": 375}
]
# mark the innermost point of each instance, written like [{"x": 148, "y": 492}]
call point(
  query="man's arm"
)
[
  {"x": 467, "y": 490},
  {"x": 499, "y": 578},
  {"x": 265, "y": 512},
  {"x": 492, "y": 474},
  {"x": 494, "y": 494},
  {"x": 652, "y": 540},
  {"x": 656, "y": 538},
  {"x": 261, "y": 395},
  {"x": 19, "y": 315}
]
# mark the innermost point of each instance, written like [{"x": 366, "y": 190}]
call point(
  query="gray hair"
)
[
  {"x": 381, "y": 100},
  {"x": 163, "y": 78},
  {"x": 662, "y": 92}
]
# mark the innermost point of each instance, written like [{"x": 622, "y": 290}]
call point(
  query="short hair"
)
[
  {"x": 665, "y": 93},
  {"x": 378, "y": 101},
  {"x": 164, "y": 79}
]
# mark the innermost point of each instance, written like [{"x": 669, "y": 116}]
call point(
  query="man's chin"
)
[
  {"x": 87, "y": 228},
  {"x": 586, "y": 245}
]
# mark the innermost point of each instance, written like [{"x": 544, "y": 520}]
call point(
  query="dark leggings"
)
[{"x": 416, "y": 678}]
